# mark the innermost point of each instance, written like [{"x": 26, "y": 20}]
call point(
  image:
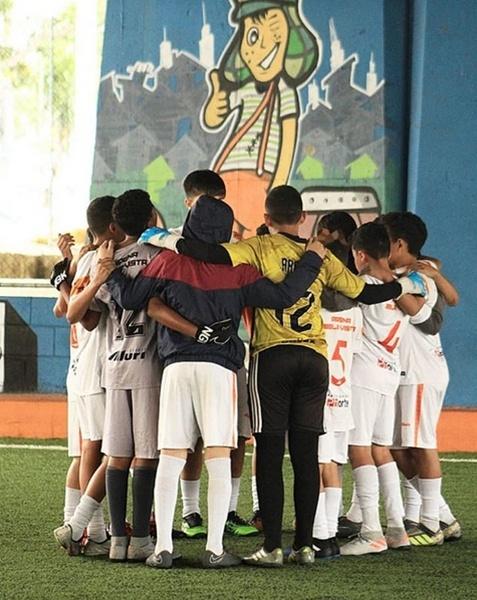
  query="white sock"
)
[
  {"x": 320, "y": 524},
  {"x": 190, "y": 491},
  {"x": 390, "y": 488},
  {"x": 412, "y": 499},
  {"x": 72, "y": 499},
  {"x": 97, "y": 527},
  {"x": 445, "y": 513},
  {"x": 83, "y": 514},
  {"x": 430, "y": 490},
  {"x": 165, "y": 497},
  {"x": 354, "y": 513},
  {"x": 333, "y": 498},
  {"x": 367, "y": 490},
  {"x": 340, "y": 475},
  {"x": 256, "y": 504},
  {"x": 235, "y": 494},
  {"x": 218, "y": 501}
]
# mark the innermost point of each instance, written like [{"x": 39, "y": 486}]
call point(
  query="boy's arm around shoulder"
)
[{"x": 263, "y": 293}]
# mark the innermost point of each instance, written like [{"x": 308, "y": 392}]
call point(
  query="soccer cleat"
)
[
  {"x": 163, "y": 560},
  {"x": 347, "y": 529},
  {"x": 192, "y": 526},
  {"x": 397, "y": 538},
  {"x": 303, "y": 556},
  {"x": 372, "y": 542},
  {"x": 64, "y": 537},
  {"x": 92, "y": 548},
  {"x": 409, "y": 525},
  {"x": 235, "y": 525},
  {"x": 256, "y": 520},
  {"x": 139, "y": 549},
  {"x": 326, "y": 549},
  {"x": 452, "y": 532},
  {"x": 423, "y": 536},
  {"x": 262, "y": 558},
  {"x": 119, "y": 548},
  {"x": 220, "y": 561}
]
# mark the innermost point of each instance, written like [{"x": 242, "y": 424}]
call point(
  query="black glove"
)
[
  {"x": 60, "y": 273},
  {"x": 216, "y": 333}
]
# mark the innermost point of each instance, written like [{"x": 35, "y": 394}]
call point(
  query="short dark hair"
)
[
  {"x": 283, "y": 205},
  {"x": 341, "y": 221},
  {"x": 99, "y": 214},
  {"x": 132, "y": 211},
  {"x": 204, "y": 182},
  {"x": 373, "y": 239},
  {"x": 408, "y": 227}
]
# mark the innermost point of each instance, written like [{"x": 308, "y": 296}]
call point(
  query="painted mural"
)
[{"x": 263, "y": 110}]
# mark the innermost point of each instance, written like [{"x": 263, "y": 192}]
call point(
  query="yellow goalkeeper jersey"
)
[{"x": 275, "y": 256}]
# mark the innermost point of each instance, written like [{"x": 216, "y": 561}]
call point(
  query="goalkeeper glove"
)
[
  {"x": 59, "y": 273},
  {"x": 162, "y": 238},
  {"x": 216, "y": 333},
  {"x": 413, "y": 283}
]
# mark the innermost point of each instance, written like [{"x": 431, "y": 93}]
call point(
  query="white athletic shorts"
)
[
  {"x": 418, "y": 408},
  {"x": 373, "y": 416},
  {"x": 91, "y": 410},
  {"x": 130, "y": 424},
  {"x": 333, "y": 447},
  {"x": 74, "y": 436},
  {"x": 244, "y": 423},
  {"x": 198, "y": 399}
]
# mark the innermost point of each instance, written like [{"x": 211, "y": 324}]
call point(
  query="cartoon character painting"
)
[{"x": 254, "y": 87}]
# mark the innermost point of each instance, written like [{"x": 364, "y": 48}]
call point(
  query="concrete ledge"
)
[{"x": 43, "y": 416}]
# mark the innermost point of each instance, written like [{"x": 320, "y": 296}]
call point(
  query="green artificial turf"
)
[{"x": 32, "y": 566}]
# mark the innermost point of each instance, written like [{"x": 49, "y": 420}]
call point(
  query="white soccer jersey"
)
[
  {"x": 87, "y": 348},
  {"x": 131, "y": 347},
  {"x": 377, "y": 366},
  {"x": 422, "y": 357},
  {"x": 343, "y": 331}
]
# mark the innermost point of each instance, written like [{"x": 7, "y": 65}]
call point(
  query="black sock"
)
[
  {"x": 143, "y": 493},
  {"x": 117, "y": 493},
  {"x": 269, "y": 459},
  {"x": 303, "y": 447}
]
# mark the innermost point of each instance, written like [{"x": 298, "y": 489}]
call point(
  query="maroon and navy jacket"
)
[{"x": 204, "y": 293}]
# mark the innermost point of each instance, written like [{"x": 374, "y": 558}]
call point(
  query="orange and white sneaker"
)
[
  {"x": 397, "y": 538},
  {"x": 370, "y": 542}
]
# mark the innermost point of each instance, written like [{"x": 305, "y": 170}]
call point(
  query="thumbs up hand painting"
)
[{"x": 217, "y": 107}]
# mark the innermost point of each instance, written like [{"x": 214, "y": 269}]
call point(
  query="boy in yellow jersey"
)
[{"x": 288, "y": 377}]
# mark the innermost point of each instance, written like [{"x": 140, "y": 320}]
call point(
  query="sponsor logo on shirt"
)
[
  {"x": 384, "y": 364},
  {"x": 123, "y": 355}
]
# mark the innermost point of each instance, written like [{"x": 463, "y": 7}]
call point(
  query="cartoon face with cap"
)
[{"x": 264, "y": 44}]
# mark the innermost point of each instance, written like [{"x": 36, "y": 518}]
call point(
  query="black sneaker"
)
[
  {"x": 220, "y": 561},
  {"x": 347, "y": 529},
  {"x": 326, "y": 549}
]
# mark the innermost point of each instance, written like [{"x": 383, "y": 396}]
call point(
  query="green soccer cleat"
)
[
  {"x": 303, "y": 556},
  {"x": 422, "y": 536},
  {"x": 452, "y": 531},
  {"x": 235, "y": 525},
  {"x": 192, "y": 526},
  {"x": 262, "y": 558},
  {"x": 256, "y": 520}
]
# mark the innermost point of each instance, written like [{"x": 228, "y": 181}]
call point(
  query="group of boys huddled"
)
[{"x": 345, "y": 363}]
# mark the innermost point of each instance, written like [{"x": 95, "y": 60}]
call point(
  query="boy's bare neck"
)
[
  {"x": 128, "y": 241},
  {"x": 378, "y": 268},
  {"x": 288, "y": 229}
]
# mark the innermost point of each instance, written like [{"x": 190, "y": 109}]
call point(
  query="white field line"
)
[{"x": 64, "y": 449}]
